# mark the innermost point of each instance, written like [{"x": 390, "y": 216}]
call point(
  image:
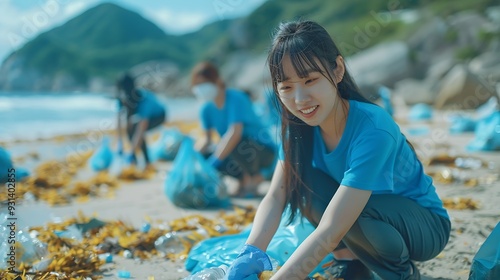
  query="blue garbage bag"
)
[
  {"x": 487, "y": 108},
  {"x": 192, "y": 182},
  {"x": 8, "y": 170},
  {"x": 167, "y": 146},
  {"x": 460, "y": 124},
  {"x": 102, "y": 157},
  {"x": 486, "y": 262},
  {"x": 487, "y": 134},
  {"x": 385, "y": 94},
  {"x": 420, "y": 111},
  {"x": 224, "y": 250}
]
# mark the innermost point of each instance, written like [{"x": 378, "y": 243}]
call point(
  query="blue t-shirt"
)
[
  {"x": 373, "y": 155},
  {"x": 237, "y": 108},
  {"x": 148, "y": 107}
]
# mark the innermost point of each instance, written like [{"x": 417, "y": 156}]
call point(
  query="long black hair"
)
[
  {"x": 126, "y": 83},
  {"x": 306, "y": 43}
]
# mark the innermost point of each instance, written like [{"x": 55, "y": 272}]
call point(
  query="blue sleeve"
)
[
  {"x": 371, "y": 163},
  {"x": 238, "y": 110},
  {"x": 149, "y": 106},
  {"x": 144, "y": 105},
  {"x": 204, "y": 118}
]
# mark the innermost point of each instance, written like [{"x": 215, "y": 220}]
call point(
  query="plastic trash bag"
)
[
  {"x": 487, "y": 108},
  {"x": 461, "y": 124},
  {"x": 7, "y": 168},
  {"x": 224, "y": 250},
  {"x": 486, "y": 262},
  {"x": 28, "y": 249},
  {"x": 192, "y": 182},
  {"x": 385, "y": 95},
  {"x": 102, "y": 157},
  {"x": 167, "y": 146},
  {"x": 487, "y": 134},
  {"x": 71, "y": 232},
  {"x": 118, "y": 162},
  {"x": 420, "y": 112}
]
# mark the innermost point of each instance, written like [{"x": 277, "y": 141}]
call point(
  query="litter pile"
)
[
  {"x": 462, "y": 170},
  {"x": 78, "y": 247},
  {"x": 53, "y": 182}
]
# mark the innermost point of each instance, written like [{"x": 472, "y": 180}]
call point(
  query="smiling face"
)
[{"x": 310, "y": 95}]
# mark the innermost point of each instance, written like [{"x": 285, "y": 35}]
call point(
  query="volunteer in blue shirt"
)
[
  {"x": 347, "y": 168},
  {"x": 8, "y": 172},
  {"x": 245, "y": 146},
  {"x": 143, "y": 112}
]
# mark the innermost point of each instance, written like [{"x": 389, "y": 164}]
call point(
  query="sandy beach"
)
[{"x": 134, "y": 202}]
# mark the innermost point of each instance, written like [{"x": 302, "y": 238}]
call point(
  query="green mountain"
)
[
  {"x": 108, "y": 39},
  {"x": 102, "y": 41}
]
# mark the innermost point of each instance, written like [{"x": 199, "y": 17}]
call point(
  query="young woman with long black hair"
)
[{"x": 346, "y": 167}]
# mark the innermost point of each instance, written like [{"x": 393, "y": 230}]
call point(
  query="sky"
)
[{"x": 22, "y": 20}]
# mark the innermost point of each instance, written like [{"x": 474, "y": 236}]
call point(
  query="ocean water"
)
[{"x": 27, "y": 116}]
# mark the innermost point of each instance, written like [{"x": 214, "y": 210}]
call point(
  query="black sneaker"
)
[{"x": 349, "y": 270}]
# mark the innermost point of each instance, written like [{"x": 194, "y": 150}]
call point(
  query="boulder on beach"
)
[
  {"x": 392, "y": 57},
  {"x": 415, "y": 91},
  {"x": 487, "y": 66},
  {"x": 461, "y": 89}
]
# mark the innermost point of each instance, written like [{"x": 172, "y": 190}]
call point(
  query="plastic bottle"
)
[
  {"x": 211, "y": 273},
  {"x": 30, "y": 249},
  {"x": 468, "y": 163},
  {"x": 172, "y": 242},
  {"x": 107, "y": 257},
  {"x": 145, "y": 227},
  {"x": 169, "y": 243}
]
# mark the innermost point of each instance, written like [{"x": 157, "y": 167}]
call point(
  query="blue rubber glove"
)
[
  {"x": 250, "y": 262},
  {"x": 215, "y": 162},
  {"x": 130, "y": 158}
]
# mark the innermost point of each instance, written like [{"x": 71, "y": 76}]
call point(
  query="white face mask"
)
[{"x": 205, "y": 92}]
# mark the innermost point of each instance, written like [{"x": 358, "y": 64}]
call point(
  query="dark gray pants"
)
[
  {"x": 391, "y": 230},
  {"x": 153, "y": 123},
  {"x": 247, "y": 157}
]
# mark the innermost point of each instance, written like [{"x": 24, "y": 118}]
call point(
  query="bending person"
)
[
  {"x": 143, "y": 112},
  {"x": 245, "y": 146}
]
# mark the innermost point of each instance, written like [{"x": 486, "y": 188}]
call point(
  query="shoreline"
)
[
  {"x": 185, "y": 126},
  {"x": 38, "y": 117}
]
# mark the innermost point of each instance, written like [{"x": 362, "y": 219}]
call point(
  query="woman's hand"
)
[{"x": 249, "y": 263}]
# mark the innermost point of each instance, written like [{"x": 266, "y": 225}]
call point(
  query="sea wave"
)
[{"x": 35, "y": 116}]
